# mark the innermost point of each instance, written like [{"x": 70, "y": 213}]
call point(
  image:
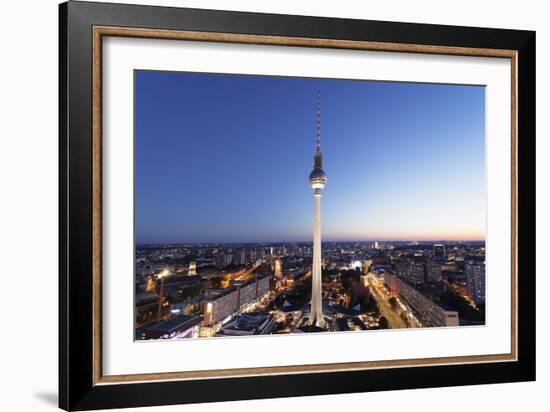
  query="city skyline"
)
[
  {"x": 222, "y": 159},
  {"x": 249, "y": 289},
  {"x": 309, "y": 241}
]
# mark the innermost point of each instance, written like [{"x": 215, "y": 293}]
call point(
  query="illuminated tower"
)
[
  {"x": 317, "y": 181},
  {"x": 192, "y": 269},
  {"x": 278, "y": 268}
]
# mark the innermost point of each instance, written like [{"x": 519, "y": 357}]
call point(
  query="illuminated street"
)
[{"x": 394, "y": 316}]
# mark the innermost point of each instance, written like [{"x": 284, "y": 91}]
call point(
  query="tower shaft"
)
[{"x": 316, "y": 316}]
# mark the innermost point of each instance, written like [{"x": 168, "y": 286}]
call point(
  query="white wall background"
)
[{"x": 28, "y": 205}]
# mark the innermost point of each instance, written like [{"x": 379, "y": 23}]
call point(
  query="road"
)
[
  {"x": 245, "y": 273},
  {"x": 382, "y": 298}
]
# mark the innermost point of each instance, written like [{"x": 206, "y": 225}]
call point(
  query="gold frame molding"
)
[{"x": 102, "y": 31}]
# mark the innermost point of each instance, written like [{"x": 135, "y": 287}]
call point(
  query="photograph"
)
[{"x": 268, "y": 205}]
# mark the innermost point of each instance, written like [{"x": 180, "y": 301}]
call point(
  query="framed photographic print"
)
[{"x": 257, "y": 205}]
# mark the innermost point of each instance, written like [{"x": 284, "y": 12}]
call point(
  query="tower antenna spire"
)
[{"x": 318, "y": 121}]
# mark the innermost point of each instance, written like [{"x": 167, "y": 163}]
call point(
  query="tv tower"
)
[{"x": 317, "y": 181}]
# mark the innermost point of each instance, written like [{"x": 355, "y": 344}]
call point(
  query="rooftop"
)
[{"x": 175, "y": 323}]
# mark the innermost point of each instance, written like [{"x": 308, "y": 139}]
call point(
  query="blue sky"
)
[{"x": 226, "y": 158}]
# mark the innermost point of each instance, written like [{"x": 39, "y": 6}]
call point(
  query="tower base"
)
[{"x": 312, "y": 329}]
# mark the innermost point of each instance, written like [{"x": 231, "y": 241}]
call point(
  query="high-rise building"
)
[
  {"x": 411, "y": 272},
  {"x": 439, "y": 250},
  {"x": 317, "y": 181},
  {"x": 475, "y": 278},
  {"x": 433, "y": 272},
  {"x": 243, "y": 258},
  {"x": 227, "y": 260},
  {"x": 221, "y": 305}
]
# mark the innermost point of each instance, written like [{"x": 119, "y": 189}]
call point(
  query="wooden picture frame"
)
[{"x": 82, "y": 28}]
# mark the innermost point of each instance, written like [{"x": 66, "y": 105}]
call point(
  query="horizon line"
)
[{"x": 308, "y": 241}]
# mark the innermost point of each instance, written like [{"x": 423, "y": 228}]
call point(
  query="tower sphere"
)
[{"x": 317, "y": 178}]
